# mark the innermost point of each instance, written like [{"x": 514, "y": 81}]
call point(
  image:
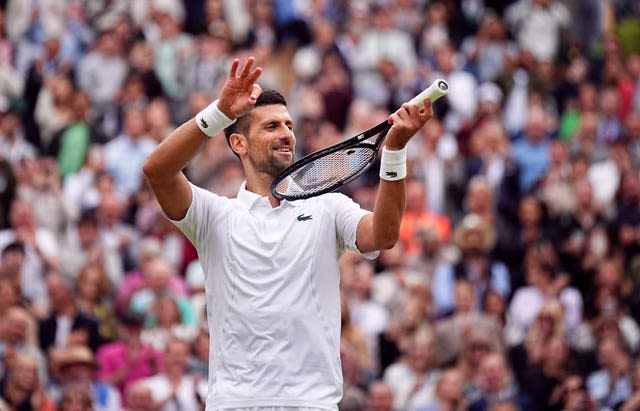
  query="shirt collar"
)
[{"x": 249, "y": 198}]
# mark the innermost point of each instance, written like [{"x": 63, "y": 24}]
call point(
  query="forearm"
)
[
  {"x": 169, "y": 158},
  {"x": 387, "y": 213}
]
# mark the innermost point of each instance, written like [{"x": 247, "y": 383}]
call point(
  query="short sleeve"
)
[
  {"x": 348, "y": 215},
  {"x": 203, "y": 210}
]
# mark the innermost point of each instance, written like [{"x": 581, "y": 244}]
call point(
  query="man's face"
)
[{"x": 270, "y": 139}]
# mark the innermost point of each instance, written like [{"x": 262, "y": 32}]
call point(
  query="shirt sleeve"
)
[
  {"x": 348, "y": 215},
  {"x": 200, "y": 216}
]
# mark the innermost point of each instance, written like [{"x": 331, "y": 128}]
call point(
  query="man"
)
[
  {"x": 271, "y": 267},
  {"x": 173, "y": 389}
]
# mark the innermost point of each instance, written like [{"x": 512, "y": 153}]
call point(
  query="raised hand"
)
[
  {"x": 240, "y": 92},
  {"x": 407, "y": 120}
]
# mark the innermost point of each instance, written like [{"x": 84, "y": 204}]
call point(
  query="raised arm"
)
[
  {"x": 163, "y": 167},
  {"x": 380, "y": 230}
]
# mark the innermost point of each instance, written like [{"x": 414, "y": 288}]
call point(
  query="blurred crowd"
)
[{"x": 515, "y": 283}]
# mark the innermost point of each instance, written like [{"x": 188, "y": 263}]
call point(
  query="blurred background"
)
[{"x": 514, "y": 286}]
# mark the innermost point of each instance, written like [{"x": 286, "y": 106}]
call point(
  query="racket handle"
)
[{"x": 436, "y": 90}]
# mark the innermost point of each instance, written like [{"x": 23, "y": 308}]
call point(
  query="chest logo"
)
[{"x": 303, "y": 217}]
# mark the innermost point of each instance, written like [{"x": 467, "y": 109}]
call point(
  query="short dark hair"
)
[
  {"x": 15, "y": 246},
  {"x": 267, "y": 97}
]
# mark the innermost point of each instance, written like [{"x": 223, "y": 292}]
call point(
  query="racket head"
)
[{"x": 309, "y": 178}]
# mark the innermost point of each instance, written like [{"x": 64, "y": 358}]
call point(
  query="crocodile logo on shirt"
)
[
  {"x": 204, "y": 123},
  {"x": 391, "y": 174},
  {"x": 303, "y": 217}
]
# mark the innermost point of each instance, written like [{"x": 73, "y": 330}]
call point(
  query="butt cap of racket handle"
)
[{"x": 436, "y": 90}]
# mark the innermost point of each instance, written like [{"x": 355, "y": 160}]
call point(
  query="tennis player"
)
[{"x": 271, "y": 267}]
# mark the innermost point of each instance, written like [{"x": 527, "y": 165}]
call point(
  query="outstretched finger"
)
[
  {"x": 234, "y": 68},
  {"x": 247, "y": 67},
  {"x": 255, "y": 74}
]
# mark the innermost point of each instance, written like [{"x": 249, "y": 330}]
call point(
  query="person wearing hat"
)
[
  {"x": 77, "y": 367},
  {"x": 475, "y": 239}
]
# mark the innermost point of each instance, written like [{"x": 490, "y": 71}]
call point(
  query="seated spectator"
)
[
  {"x": 18, "y": 337},
  {"x": 66, "y": 324},
  {"x": 139, "y": 397},
  {"x": 12, "y": 263},
  {"x": 379, "y": 397},
  {"x": 413, "y": 380},
  {"x": 452, "y": 331},
  {"x": 495, "y": 382},
  {"x": 75, "y": 398},
  {"x": 541, "y": 380},
  {"x": 542, "y": 287},
  {"x": 173, "y": 389},
  {"x": 167, "y": 318},
  {"x": 389, "y": 287},
  {"x": 127, "y": 360},
  {"x": 475, "y": 239},
  {"x": 22, "y": 388},
  {"x": 199, "y": 358},
  {"x": 610, "y": 385},
  {"x": 127, "y": 170},
  {"x": 40, "y": 249},
  {"x": 77, "y": 367},
  {"x": 473, "y": 350},
  {"x": 633, "y": 402},
  {"x": 93, "y": 296},
  {"x": 449, "y": 393},
  {"x": 548, "y": 323},
  {"x": 83, "y": 246},
  {"x": 152, "y": 272},
  {"x": 418, "y": 216}
]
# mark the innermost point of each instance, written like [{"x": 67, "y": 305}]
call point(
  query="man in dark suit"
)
[{"x": 66, "y": 324}]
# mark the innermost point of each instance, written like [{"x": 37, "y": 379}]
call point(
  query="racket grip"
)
[{"x": 436, "y": 90}]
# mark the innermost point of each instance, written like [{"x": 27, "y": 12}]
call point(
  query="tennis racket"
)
[{"x": 330, "y": 168}]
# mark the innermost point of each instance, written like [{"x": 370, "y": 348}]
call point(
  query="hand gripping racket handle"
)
[{"x": 436, "y": 90}]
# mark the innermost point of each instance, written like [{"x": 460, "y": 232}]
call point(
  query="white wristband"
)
[
  {"x": 393, "y": 164},
  {"x": 211, "y": 120}
]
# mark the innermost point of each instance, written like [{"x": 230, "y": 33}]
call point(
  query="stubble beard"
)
[{"x": 271, "y": 166}]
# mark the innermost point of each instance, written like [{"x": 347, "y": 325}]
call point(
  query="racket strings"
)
[{"x": 324, "y": 173}]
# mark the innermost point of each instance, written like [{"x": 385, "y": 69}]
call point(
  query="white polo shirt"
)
[{"x": 273, "y": 301}]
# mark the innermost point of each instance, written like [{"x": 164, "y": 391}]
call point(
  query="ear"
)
[{"x": 238, "y": 143}]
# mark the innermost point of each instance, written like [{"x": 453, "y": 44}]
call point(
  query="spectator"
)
[
  {"x": 531, "y": 152},
  {"x": 102, "y": 71},
  {"x": 543, "y": 287},
  {"x": 18, "y": 337},
  {"x": 418, "y": 216},
  {"x": 474, "y": 238},
  {"x": 123, "y": 362},
  {"x": 22, "y": 388},
  {"x": 610, "y": 385},
  {"x": 93, "y": 292},
  {"x": 413, "y": 381},
  {"x": 83, "y": 247},
  {"x": 66, "y": 324},
  {"x": 77, "y": 369},
  {"x": 455, "y": 329},
  {"x": 449, "y": 393},
  {"x": 127, "y": 171},
  {"x": 173, "y": 388},
  {"x": 75, "y": 398},
  {"x": 495, "y": 382},
  {"x": 538, "y": 25},
  {"x": 379, "y": 397}
]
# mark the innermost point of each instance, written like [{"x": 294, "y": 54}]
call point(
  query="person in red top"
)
[{"x": 417, "y": 217}]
